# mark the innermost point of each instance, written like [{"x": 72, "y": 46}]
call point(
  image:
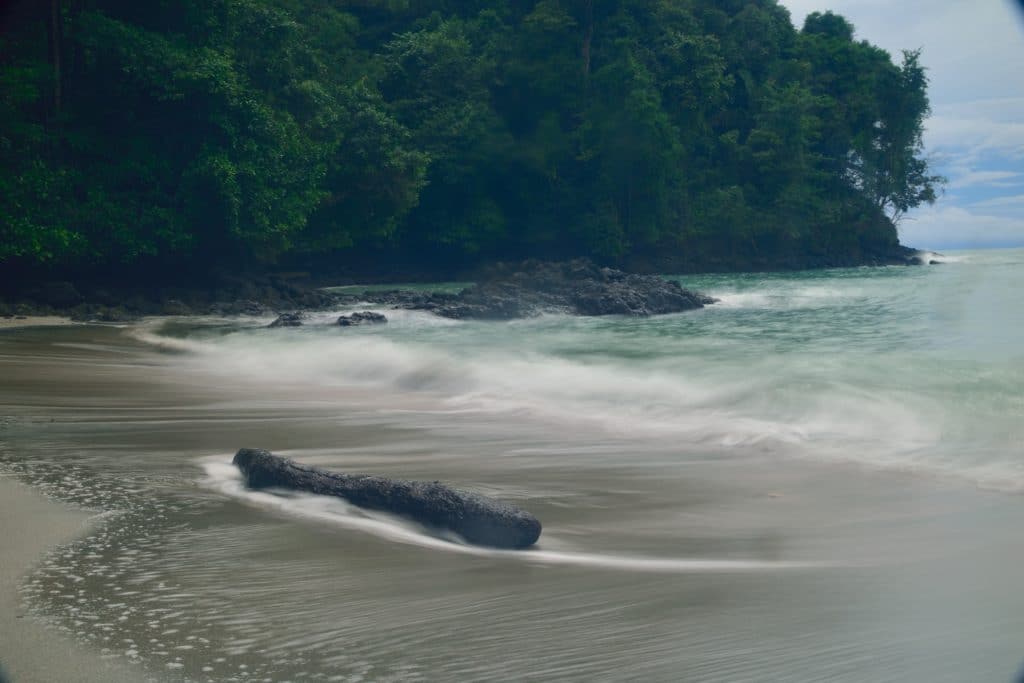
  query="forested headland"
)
[{"x": 667, "y": 134}]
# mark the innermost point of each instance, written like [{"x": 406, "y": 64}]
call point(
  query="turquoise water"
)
[
  {"x": 915, "y": 368},
  {"x": 817, "y": 479}
]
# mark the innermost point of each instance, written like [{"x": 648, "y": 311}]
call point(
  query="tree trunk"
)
[
  {"x": 588, "y": 36},
  {"x": 55, "y": 38},
  {"x": 476, "y": 518}
]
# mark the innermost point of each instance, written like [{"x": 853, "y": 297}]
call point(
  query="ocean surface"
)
[{"x": 819, "y": 478}]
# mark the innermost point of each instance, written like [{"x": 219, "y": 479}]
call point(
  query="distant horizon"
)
[{"x": 973, "y": 247}]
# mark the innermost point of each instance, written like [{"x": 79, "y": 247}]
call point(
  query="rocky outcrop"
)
[
  {"x": 576, "y": 287},
  {"x": 477, "y": 519},
  {"x": 225, "y": 294},
  {"x": 362, "y": 318},
  {"x": 293, "y": 319},
  {"x": 504, "y": 291}
]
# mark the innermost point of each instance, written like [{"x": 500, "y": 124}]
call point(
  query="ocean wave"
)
[
  {"x": 801, "y": 382},
  {"x": 787, "y": 298},
  {"x": 661, "y": 397}
]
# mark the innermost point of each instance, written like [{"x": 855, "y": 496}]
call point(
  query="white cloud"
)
[
  {"x": 971, "y": 48},
  {"x": 1005, "y": 109},
  {"x": 975, "y": 134},
  {"x": 951, "y": 227},
  {"x": 1015, "y": 201},
  {"x": 989, "y": 178},
  {"x": 972, "y": 51}
]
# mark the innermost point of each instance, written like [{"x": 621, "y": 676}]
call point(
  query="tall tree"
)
[{"x": 451, "y": 130}]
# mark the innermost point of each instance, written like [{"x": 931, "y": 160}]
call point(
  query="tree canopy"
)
[{"x": 205, "y": 131}]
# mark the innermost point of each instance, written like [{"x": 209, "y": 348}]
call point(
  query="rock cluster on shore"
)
[
  {"x": 224, "y": 295},
  {"x": 362, "y": 318},
  {"x": 503, "y": 292},
  {"x": 535, "y": 287},
  {"x": 292, "y": 319}
]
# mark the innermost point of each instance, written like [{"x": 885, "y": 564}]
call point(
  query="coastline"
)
[
  {"x": 899, "y": 583},
  {"x": 35, "y": 321},
  {"x": 30, "y": 526},
  {"x": 266, "y": 293}
]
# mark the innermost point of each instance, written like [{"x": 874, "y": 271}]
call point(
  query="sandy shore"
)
[
  {"x": 917, "y": 576},
  {"x": 34, "y": 321},
  {"x": 30, "y": 525}
]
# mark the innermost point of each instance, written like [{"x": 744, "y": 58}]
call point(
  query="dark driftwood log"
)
[{"x": 478, "y": 519}]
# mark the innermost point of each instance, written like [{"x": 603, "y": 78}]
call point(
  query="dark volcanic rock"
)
[
  {"x": 288, "y": 320},
  {"x": 478, "y": 519},
  {"x": 217, "y": 294},
  {"x": 900, "y": 255},
  {"x": 637, "y": 295},
  {"x": 404, "y": 298},
  {"x": 363, "y": 318},
  {"x": 577, "y": 287}
]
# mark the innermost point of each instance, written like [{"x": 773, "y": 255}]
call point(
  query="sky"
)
[{"x": 974, "y": 52}]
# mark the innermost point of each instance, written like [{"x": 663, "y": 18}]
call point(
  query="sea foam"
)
[{"x": 881, "y": 367}]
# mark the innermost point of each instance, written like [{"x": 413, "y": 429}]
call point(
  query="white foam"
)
[
  {"x": 148, "y": 334},
  {"x": 740, "y": 376},
  {"x": 657, "y": 402},
  {"x": 784, "y": 298},
  {"x": 929, "y": 256}
]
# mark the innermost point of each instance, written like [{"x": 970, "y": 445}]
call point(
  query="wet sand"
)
[
  {"x": 882, "y": 576},
  {"x": 35, "y": 321},
  {"x": 31, "y": 652}
]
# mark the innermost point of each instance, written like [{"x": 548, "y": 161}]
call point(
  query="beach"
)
[
  {"x": 31, "y": 526},
  {"x": 741, "y": 494},
  {"x": 33, "y": 321}
]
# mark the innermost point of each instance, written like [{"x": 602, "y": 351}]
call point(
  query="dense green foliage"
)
[{"x": 223, "y": 130}]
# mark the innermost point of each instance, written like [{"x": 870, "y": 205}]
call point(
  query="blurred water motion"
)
[{"x": 781, "y": 488}]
